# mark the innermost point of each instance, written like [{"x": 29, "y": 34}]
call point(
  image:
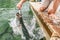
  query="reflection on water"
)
[{"x": 8, "y": 11}]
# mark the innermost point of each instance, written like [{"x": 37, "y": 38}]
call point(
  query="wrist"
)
[{"x": 22, "y": 1}]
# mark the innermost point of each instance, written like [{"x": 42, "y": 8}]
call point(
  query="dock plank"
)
[{"x": 43, "y": 16}]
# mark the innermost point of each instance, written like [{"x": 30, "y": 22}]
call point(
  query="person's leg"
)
[
  {"x": 55, "y": 6},
  {"x": 44, "y": 5},
  {"x": 51, "y": 12}
]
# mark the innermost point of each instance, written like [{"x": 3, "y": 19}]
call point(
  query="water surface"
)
[{"x": 7, "y": 11}]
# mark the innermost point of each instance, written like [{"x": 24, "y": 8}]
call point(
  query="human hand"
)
[{"x": 19, "y": 5}]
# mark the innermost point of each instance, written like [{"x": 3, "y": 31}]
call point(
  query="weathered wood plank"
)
[
  {"x": 43, "y": 20},
  {"x": 44, "y": 27}
]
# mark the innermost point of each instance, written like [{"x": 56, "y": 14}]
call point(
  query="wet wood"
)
[{"x": 43, "y": 20}]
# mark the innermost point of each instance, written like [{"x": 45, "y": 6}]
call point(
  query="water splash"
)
[{"x": 17, "y": 28}]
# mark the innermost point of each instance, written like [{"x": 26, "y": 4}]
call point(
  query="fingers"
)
[
  {"x": 42, "y": 9},
  {"x": 19, "y": 6}
]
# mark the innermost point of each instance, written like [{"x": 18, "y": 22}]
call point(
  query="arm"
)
[
  {"x": 22, "y": 1},
  {"x": 19, "y": 5}
]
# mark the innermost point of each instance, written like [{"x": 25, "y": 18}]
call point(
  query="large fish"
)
[{"x": 25, "y": 31}]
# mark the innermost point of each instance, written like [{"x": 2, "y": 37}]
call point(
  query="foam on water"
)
[{"x": 17, "y": 28}]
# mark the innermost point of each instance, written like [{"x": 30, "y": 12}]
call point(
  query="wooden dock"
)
[{"x": 44, "y": 22}]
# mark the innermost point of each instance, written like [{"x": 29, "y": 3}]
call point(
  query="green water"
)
[{"x": 7, "y": 11}]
